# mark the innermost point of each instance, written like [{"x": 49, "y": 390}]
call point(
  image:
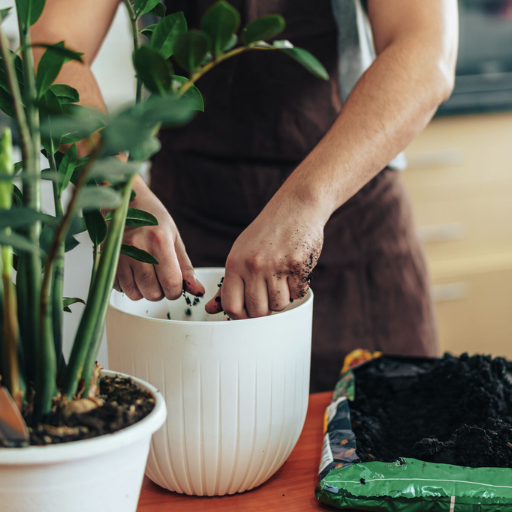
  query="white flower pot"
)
[
  {"x": 103, "y": 474},
  {"x": 237, "y": 392}
]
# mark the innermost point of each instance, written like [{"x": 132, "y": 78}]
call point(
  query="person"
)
[{"x": 285, "y": 174}]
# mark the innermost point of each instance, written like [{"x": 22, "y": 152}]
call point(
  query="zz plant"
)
[{"x": 49, "y": 120}]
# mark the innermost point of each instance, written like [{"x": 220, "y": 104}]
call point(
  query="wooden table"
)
[{"x": 292, "y": 488}]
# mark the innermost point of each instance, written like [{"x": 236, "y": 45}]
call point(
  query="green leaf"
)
[
  {"x": 18, "y": 65},
  {"x": 19, "y": 242},
  {"x": 133, "y": 195},
  {"x": 158, "y": 10},
  {"x": 4, "y": 13},
  {"x": 65, "y": 93},
  {"x": 307, "y": 60},
  {"x": 263, "y": 28},
  {"x": 29, "y": 11},
  {"x": 153, "y": 70},
  {"x": 146, "y": 148},
  {"x": 166, "y": 33},
  {"x": 61, "y": 50},
  {"x": 18, "y": 166},
  {"x": 22, "y": 216},
  {"x": 7, "y": 103},
  {"x": 193, "y": 96},
  {"x": 67, "y": 166},
  {"x": 220, "y": 22},
  {"x": 138, "y": 254},
  {"x": 93, "y": 197},
  {"x": 49, "y": 106},
  {"x": 191, "y": 48},
  {"x": 96, "y": 226},
  {"x": 148, "y": 31},
  {"x": 17, "y": 196},
  {"x": 138, "y": 218},
  {"x": 145, "y": 6},
  {"x": 77, "y": 225},
  {"x": 50, "y": 65},
  {"x": 68, "y": 301},
  {"x": 113, "y": 170}
]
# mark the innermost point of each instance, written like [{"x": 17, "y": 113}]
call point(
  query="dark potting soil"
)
[
  {"x": 125, "y": 404},
  {"x": 450, "y": 410}
]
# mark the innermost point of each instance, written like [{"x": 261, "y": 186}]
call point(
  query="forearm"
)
[{"x": 387, "y": 109}]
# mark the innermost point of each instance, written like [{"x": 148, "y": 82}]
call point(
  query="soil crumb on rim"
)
[{"x": 450, "y": 410}]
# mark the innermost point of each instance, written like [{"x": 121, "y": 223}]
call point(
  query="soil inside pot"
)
[
  {"x": 124, "y": 404},
  {"x": 450, "y": 410}
]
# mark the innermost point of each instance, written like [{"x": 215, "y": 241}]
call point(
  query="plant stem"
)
[
  {"x": 134, "y": 19},
  {"x": 90, "y": 330},
  {"x": 196, "y": 76},
  {"x": 57, "y": 286},
  {"x": 29, "y": 265}
]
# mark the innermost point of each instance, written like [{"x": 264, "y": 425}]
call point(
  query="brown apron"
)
[{"x": 263, "y": 115}]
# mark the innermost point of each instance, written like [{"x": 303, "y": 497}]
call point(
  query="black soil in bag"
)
[{"x": 450, "y": 410}]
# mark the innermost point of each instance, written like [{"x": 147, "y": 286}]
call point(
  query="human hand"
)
[
  {"x": 173, "y": 274},
  {"x": 270, "y": 263}
]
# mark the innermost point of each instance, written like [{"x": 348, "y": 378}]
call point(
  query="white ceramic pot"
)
[
  {"x": 237, "y": 392},
  {"x": 103, "y": 474}
]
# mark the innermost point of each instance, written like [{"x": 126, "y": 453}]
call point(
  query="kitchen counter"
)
[{"x": 290, "y": 489}]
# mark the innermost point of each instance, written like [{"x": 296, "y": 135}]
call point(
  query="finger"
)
[
  {"x": 190, "y": 282},
  {"x": 146, "y": 281},
  {"x": 126, "y": 280},
  {"x": 117, "y": 286},
  {"x": 256, "y": 297},
  {"x": 278, "y": 294},
  {"x": 298, "y": 287},
  {"x": 214, "y": 305},
  {"x": 168, "y": 271},
  {"x": 233, "y": 296}
]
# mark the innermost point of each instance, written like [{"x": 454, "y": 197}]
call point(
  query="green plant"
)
[{"x": 48, "y": 118}]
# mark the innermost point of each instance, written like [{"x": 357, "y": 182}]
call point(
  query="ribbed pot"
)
[
  {"x": 236, "y": 392},
  {"x": 103, "y": 474}
]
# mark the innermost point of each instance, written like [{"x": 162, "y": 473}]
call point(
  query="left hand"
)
[{"x": 270, "y": 263}]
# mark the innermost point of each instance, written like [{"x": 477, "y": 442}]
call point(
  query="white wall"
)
[{"x": 114, "y": 73}]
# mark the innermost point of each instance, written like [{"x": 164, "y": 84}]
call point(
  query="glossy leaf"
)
[
  {"x": 307, "y": 60},
  {"x": 145, "y": 148},
  {"x": 93, "y": 197},
  {"x": 191, "y": 48},
  {"x": 49, "y": 106},
  {"x": 18, "y": 242},
  {"x": 22, "y": 216},
  {"x": 138, "y": 218},
  {"x": 96, "y": 226},
  {"x": 138, "y": 254},
  {"x": 263, "y": 28},
  {"x": 193, "y": 96},
  {"x": 7, "y": 103},
  {"x": 49, "y": 66},
  {"x": 18, "y": 66},
  {"x": 4, "y": 13},
  {"x": 148, "y": 31},
  {"x": 17, "y": 196},
  {"x": 158, "y": 10},
  {"x": 220, "y": 22},
  {"x": 113, "y": 170},
  {"x": 153, "y": 70},
  {"x": 29, "y": 11},
  {"x": 144, "y": 6},
  {"x": 65, "y": 93},
  {"x": 166, "y": 33},
  {"x": 60, "y": 49},
  {"x": 67, "y": 166}
]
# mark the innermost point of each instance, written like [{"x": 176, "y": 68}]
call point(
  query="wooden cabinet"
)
[{"x": 460, "y": 182}]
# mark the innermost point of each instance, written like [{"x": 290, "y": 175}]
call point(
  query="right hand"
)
[{"x": 173, "y": 274}]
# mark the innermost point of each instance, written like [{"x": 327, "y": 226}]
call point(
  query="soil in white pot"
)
[{"x": 123, "y": 404}]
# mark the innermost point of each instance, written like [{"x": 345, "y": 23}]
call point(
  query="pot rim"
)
[
  {"x": 87, "y": 448},
  {"x": 309, "y": 299}
]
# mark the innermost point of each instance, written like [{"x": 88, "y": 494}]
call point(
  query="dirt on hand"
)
[{"x": 450, "y": 410}]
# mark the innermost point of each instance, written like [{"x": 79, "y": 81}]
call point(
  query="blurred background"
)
[{"x": 459, "y": 178}]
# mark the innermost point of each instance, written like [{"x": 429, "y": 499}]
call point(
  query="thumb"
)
[{"x": 214, "y": 305}]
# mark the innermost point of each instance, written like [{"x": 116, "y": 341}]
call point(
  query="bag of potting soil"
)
[{"x": 419, "y": 435}]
